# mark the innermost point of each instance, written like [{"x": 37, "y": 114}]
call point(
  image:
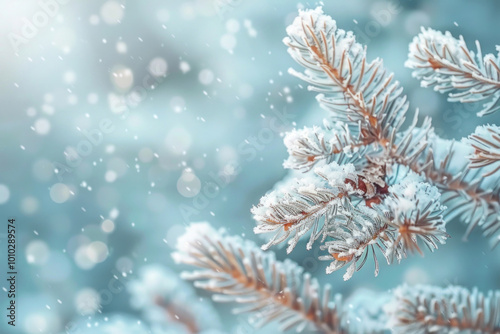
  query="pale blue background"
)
[{"x": 52, "y": 75}]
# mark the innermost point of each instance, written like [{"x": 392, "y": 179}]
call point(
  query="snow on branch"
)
[
  {"x": 466, "y": 192},
  {"x": 352, "y": 242},
  {"x": 366, "y": 314},
  {"x": 417, "y": 214},
  {"x": 331, "y": 143},
  {"x": 357, "y": 92},
  {"x": 486, "y": 144},
  {"x": 313, "y": 203},
  {"x": 428, "y": 309},
  {"x": 409, "y": 214},
  {"x": 353, "y": 196},
  {"x": 410, "y": 146},
  {"x": 445, "y": 63},
  {"x": 165, "y": 300},
  {"x": 273, "y": 291}
]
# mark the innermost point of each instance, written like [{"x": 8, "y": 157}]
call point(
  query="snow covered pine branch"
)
[
  {"x": 445, "y": 63},
  {"x": 166, "y": 301},
  {"x": 486, "y": 144},
  {"x": 367, "y": 183},
  {"x": 240, "y": 272},
  {"x": 428, "y": 309},
  {"x": 363, "y": 185}
]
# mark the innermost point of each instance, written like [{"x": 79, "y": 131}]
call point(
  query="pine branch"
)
[
  {"x": 365, "y": 313},
  {"x": 465, "y": 192},
  {"x": 410, "y": 146},
  {"x": 410, "y": 213},
  {"x": 313, "y": 203},
  {"x": 165, "y": 299},
  {"x": 355, "y": 209},
  {"x": 486, "y": 144},
  {"x": 417, "y": 215},
  {"x": 274, "y": 291},
  {"x": 333, "y": 143},
  {"x": 427, "y": 309},
  {"x": 357, "y": 92},
  {"x": 445, "y": 63},
  {"x": 352, "y": 242}
]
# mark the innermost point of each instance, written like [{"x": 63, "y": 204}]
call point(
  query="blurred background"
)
[{"x": 118, "y": 115}]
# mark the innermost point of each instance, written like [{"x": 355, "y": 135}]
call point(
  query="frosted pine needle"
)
[
  {"x": 446, "y": 63},
  {"x": 411, "y": 213},
  {"x": 332, "y": 143},
  {"x": 165, "y": 299},
  {"x": 314, "y": 203},
  {"x": 427, "y": 309},
  {"x": 417, "y": 215},
  {"x": 464, "y": 191},
  {"x": 352, "y": 196},
  {"x": 486, "y": 144},
  {"x": 352, "y": 242},
  {"x": 237, "y": 271},
  {"x": 357, "y": 92}
]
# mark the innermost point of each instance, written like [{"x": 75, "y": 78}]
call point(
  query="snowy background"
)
[{"x": 179, "y": 91}]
